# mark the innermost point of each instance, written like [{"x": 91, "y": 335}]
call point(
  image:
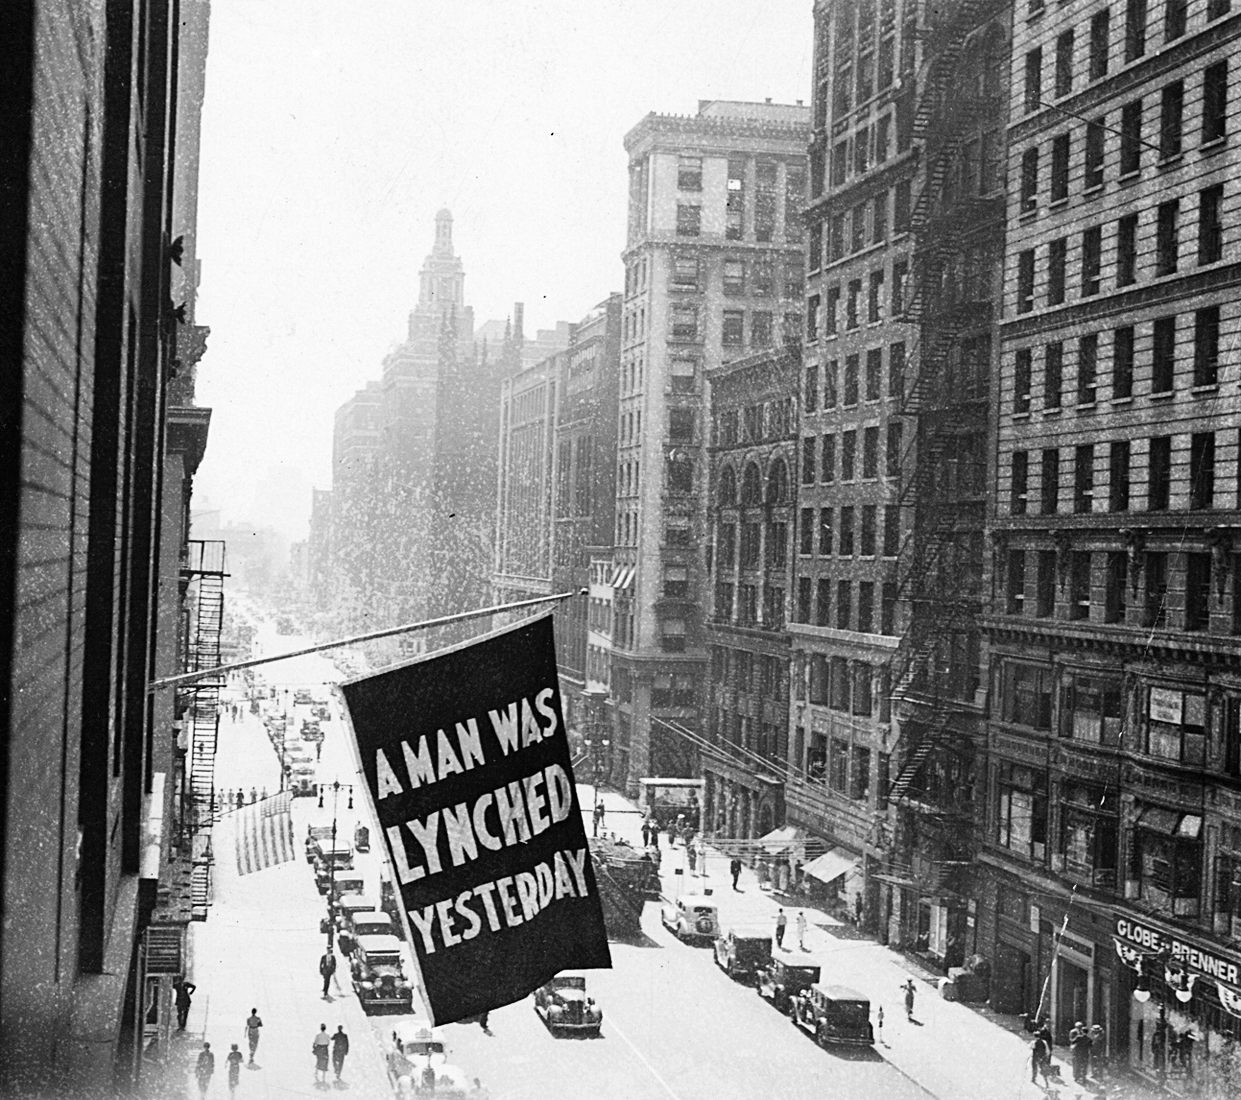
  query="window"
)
[
  {"x": 762, "y": 278},
  {"x": 848, "y": 452},
  {"x": 874, "y": 374},
  {"x": 761, "y": 328},
  {"x": 1089, "y": 828},
  {"x": 1160, "y": 473},
  {"x": 734, "y": 277},
  {"x": 819, "y": 678},
  {"x": 825, "y": 531},
  {"x": 1064, "y": 63},
  {"x": 676, "y": 581},
  {"x": 838, "y": 771},
  {"x": 1202, "y": 470},
  {"x": 866, "y": 608},
  {"x": 1206, "y": 346},
  {"x": 733, "y": 329},
  {"x": 689, "y": 174},
  {"x": 1131, "y": 137},
  {"x": 894, "y": 449},
  {"x": 1127, "y": 250},
  {"x": 883, "y": 138},
  {"x": 804, "y": 592},
  {"x": 1217, "y": 8},
  {"x": 1021, "y": 814},
  {"x": 1021, "y": 381},
  {"x": 1053, "y": 374},
  {"x": 869, "y": 516},
  {"x": 1176, "y": 722},
  {"x": 1079, "y": 585},
  {"x": 900, "y": 274},
  {"x": 873, "y": 297},
  {"x": 808, "y": 446},
  {"x": 1025, "y": 695},
  {"x": 1025, "y": 281},
  {"x": 823, "y": 607},
  {"x": 1210, "y": 224},
  {"x": 1174, "y": 13},
  {"x": 1050, "y": 481},
  {"x": 685, "y": 272},
  {"x": 1162, "y": 358},
  {"x": 812, "y": 318},
  {"x": 1166, "y": 238},
  {"x": 836, "y": 238},
  {"x": 891, "y": 530},
  {"x": 879, "y": 219},
  {"x": 870, "y": 453},
  {"x": 814, "y": 249},
  {"x": 901, "y": 205},
  {"x": 1168, "y": 865},
  {"x": 1099, "y": 31},
  {"x": 683, "y": 376},
  {"x": 1197, "y": 591},
  {"x": 1116, "y": 583},
  {"x": 680, "y": 473},
  {"x": 1171, "y": 118},
  {"x": 1092, "y": 260},
  {"x": 805, "y": 533},
  {"x": 1045, "y": 585},
  {"x": 681, "y": 425},
  {"x": 1057, "y": 262},
  {"x": 1228, "y": 888},
  {"x": 896, "y": 369},
  {"x": 1118, "y": 476},
  {"x": 751, "y": 536},
  {"x": 858, "y": 223},
  {"x": 1034, "y": 80},
  {"x": 830, "y": 371},
  {"x": 1087, "y": 368},
  {"x": 1060, "y": 168},
  {"x": 829, "y": 459},
  {"x": 1096, "y": 132},
  {"x": 689, "y": 220},
  {"x": 844, "y": 607},
  {"x": 1122, "y": 362},
  {"x": 727, "y": 544},
  {"x": 1016, "y": 576},
  {"x": 851, "y": 303},
  {"x": 1215, "y": 102},
  {"x": 1029, "y": 179},
  {"x": 735, "y": 205},
  {"x": 833, "y": 307},
  {"x": 1135, "y": 29},
  {"x": 1020, "y": 483},
  {"x": 851, "y": 380},
  {"x": 846, "y": 532},
  {"x": 860, "y": 790},
  {"x": 1155, "y": 566},
  {"x": 1083, "y": 478},
  {"x": 684, "y": 321}
]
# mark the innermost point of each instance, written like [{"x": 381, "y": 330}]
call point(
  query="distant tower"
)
[{"x": 442, "y": 282}]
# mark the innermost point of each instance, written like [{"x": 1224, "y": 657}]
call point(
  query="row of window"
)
[
  {"x": 746, "y": 611},
  {"x": 759, "y": 277},
  {"x": 752, "y": 491},
  {"x": 844, "y": 768},
  {"x": 752, "y": 543},
  {"x": 1119, "y": 379},
  {"x": 834, "y": 531},
  {"x": 686, "y": 326},
  {"x": 864, "y": 225},
  {"x": 757, "y": 423},
  {"x": 746, "y": 671},
  {"x": 824, "y": 602},
  {"x": 823, "y": 385},
  {"x": 847, "y": 686},
  {"x": 819, "y": 455},
  {"x": 1100, "y": 48},
  {"x": 829, "y": 314},
  {"x": 1170, "y": 479},
  {"x": 765, "y": 205},
  {"x": 1166, "y": 253}
]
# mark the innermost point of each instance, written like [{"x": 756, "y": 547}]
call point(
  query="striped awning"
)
[{"x": 622, "y": 577}]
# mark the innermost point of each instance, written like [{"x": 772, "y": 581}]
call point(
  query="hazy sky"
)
[{"x": 332, "y": 132}]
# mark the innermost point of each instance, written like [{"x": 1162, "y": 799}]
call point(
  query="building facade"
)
[
  {"x": 1112, "y": 818},
  {"x": 713, "y": 270}
]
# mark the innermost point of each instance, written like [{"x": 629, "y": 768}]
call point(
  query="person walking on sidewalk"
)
[
  {"x": 879, "y": 1021},
  {"x": 234, "y": 1061},
  {"x": 252, "y": 1032},
  {"x": 782, "y": 922},
  {"x": 340, "y": 1047},
  {"x": 204, "y": 1068},
  {"x": 909, "y": 989},
  {"x": 691, "y": 852},
  {"x": 1040, "y": 1057},
  {"x": 320, "y": 1048},
  {"x": 801, "y": 929},
  {"x": 734, "y": 869},
  {"x": 1079, "y": 1044},
  {"x": 184, "y": 991},
  {"x": 646, "y": 833},
  {"x": 327, "y": 967}
]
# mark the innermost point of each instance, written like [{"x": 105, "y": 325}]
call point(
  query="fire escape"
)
[
  {"x": 204, "y": 569},
  {"x": 945, "y": 404}
]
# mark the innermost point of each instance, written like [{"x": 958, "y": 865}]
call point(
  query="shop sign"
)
[
  {"x": 1152, "y": 941},
  {"x": 1165, "y": 705}
]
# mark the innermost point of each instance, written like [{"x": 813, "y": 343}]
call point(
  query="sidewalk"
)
[{"x": 949, "y": 1049}]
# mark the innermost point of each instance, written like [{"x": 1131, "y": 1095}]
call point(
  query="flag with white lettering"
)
[
  {"x": 467, "y": 765},
  {"x": 265, "y": 833}
]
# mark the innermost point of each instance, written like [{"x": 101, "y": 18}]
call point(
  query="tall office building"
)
[{"x": 713, "y": 271}]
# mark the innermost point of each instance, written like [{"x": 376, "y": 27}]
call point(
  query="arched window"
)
[
  {"x": 778, "y": 483},
  {"x": 728, "y": 488},
  {"x": 751, "y": 486}
]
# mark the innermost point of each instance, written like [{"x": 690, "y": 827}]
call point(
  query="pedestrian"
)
[
  {"x": 909, "y": 989},
  {"x": 253, "y": 1023},
  {"x": 327, "y": 967},
  {"x": 204, "y": 1068},
  {"x": 1040, "y": 1057},
  {"x": 857, "y": 908},
  {"x": 340, "y": 1047},
  {"x": 801, "y": 929},
  {"x": 184, "y": 990},
  {"x": 1079, "y": 1045},
  {"x": 879, "y": 1020},
  {"x": 654, "y": 826},
  {"x": 692, "y": 853},
  {"x": 254, "y": 795},
  {"x": 646, "y": 833},
  {"x": 234, "y": 1061},
  {"x": 319, "y": 750},
  {"x": 482, "y": 1021},
  {"x": 478, "y": 1092},
  {"x": 782, "y": 922},
  {"x": 734, "y": 869},
  {"x": 320, "y": 1047},
  {"x": 595, "y": 820},
  {"x": 241, "y": 798}
]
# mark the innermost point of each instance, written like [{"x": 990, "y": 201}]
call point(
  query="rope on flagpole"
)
[{"x": 426, "y": 624}]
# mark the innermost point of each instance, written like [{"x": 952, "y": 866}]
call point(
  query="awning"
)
[
  {"x": 831, "y": 865},
  {"x": 1170, "y": 822},
  {"x": 623, "y": 576},
  {"x": 781, "y": 840}
]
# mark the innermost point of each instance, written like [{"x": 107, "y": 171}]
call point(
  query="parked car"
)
[
  {"x": 692, "y": 916},
  {"x": 316, "y": 837},
  {"x": 302, "y": 697},
  {"x": 302, "y": 781},
  {"x": 743, "y": 952},
  {"x": 311, "y": 731},
  {"x": 379, "y": 977},
  {"x": 362, "y": 838},
  {"x": 779, "y": 982},
  {"x": 356, "y": 917},
  {"x": 834, "y": 1014},
  {"x": 418, "y": 1063},
  {"x": 564, "y": 1005}
]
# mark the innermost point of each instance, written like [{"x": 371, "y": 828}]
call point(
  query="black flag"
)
[{"x": 467, "y": 764}]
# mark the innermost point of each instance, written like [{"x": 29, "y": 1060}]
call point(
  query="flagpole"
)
[{"x": 426, "y": 624}]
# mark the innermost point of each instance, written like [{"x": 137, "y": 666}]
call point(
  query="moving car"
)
[
  {"x": 779, "y": 982},
  {"x": 743, "y": 952},
  {"x": 834, "y": 1015},
  {"x": 418, "y": 1063},
  {"x": 379, "y": 977},
  {"x": 301, "y": 696},
  {"x": 316, "y": 837},
  {"x": 564, "y": 1006},
  {"x": 692, "y": 916}
]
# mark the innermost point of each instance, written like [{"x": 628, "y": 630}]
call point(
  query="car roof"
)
[
  {"x": 357, "y": 903},
  {"x": 369, "y": 916},
  {"x": 841, "y": 993},
  {"x": 749, "y": 932},
  {"x": 696, "y": 899},
  {"x": 379, "y": 944},
  {"x": 412, "y": 1029}
]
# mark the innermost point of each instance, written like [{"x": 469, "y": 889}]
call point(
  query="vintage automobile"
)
[
  {"x": 564, "y": 1005},
  {"x": 378, "y": 976},
  {"x": 332, "y": 859},
  {"x": 691, "y": 916},
  {"x": 418, "y": 1063},
  {"x": 779, "y": 982},
  {"x": 302, "y": 781},
  {"x": 356, "y": 916},
  {"x": 311, "y": 730},
  {"x": 316, "y": 837},
  {"x": 361, "y": 838},
  {"x": 834, "y": 1015},
  {"x": 743, "y": 952},
  {"x": 302, "y": 696},
  {"x": 390, "y": 904}
]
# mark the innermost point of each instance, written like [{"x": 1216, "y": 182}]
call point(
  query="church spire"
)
[{"x": 441, "y": 283}]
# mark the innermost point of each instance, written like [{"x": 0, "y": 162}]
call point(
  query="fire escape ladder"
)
[{"x": 916, "y": 757}]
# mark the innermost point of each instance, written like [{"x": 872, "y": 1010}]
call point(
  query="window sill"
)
[
  {"x": 1053, "y": 411},
  {"x": 1086, "y": 406},
  {"x": 1130, "y": 177},
  {"x": 1163, "y": 395},
  {"x": 1093, "y": 192},
  {"x": 1174, "y": 161},
  {"x": 1207, "y": 388},
  {"x": 1123, "y": 400},
  {"x": 1058, "y": 204},
  {"x": 1208, "y": 148},
  {"x": 1022, "y": 416},
  {"x": 1028, "y": 215}
]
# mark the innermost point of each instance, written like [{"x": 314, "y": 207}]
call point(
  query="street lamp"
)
[{"x": 337, "y": 787}]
